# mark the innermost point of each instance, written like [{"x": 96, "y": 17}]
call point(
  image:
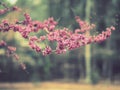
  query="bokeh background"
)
[{"x": 103, "y": 63}]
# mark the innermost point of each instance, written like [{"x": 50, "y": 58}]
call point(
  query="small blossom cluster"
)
[
  {"x": 104, "y": 35},
  {"x": 11, "y": 51},
  {"x": 84, "y": 26},
  {"x": 2, "y": 43},
  {"x": 6, "y": 9}
]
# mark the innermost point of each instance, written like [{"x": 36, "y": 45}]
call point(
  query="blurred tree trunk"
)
[{"x": 88, "y": 9}]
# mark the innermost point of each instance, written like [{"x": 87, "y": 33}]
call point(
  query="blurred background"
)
[{"x": 95, "y": 63}]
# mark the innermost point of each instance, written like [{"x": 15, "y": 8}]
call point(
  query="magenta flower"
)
[
  {"x": 11, "y": 48},
  {"x": 47, "y": 50},
  {"x": 2, "y": 43},
  {"x": 64, "y": 38}
]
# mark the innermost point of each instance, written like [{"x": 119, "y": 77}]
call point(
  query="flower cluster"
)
[
  {"x": 11, "y": 51},
  {"x": 65, "y": 38},
  {"x": 104, "y": 35},
  {"x": 6, "y": 9}
]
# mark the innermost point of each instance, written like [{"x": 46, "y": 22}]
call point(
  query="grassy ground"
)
[{"x": 56, "y": 86}]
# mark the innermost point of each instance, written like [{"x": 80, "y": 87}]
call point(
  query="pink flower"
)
[
  {"x": 15, "y": 28},
  {"x": 27, "y": 19},
  {"x": 59, "y": 51},
  {"x": 11, "y": 48},
  {"x": 36, "y": 25},
  {"x": 25, "y": 34},
  {"x": 42, "y": 38},
  {"x": 32, "y": 45},
  {"x": 112, "y": 28},
  {"x": 47, "y": 50},
  {"x": 15, "y": 8},
  {"x": 33, "y": 38},
  {"x": 5, "y": 26},
  {"x": 2, "y": 43},
  {"x": 51, "y": 28},
  {"x": 38, "y": 49},
  {"x": 3, "y": 11}
]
